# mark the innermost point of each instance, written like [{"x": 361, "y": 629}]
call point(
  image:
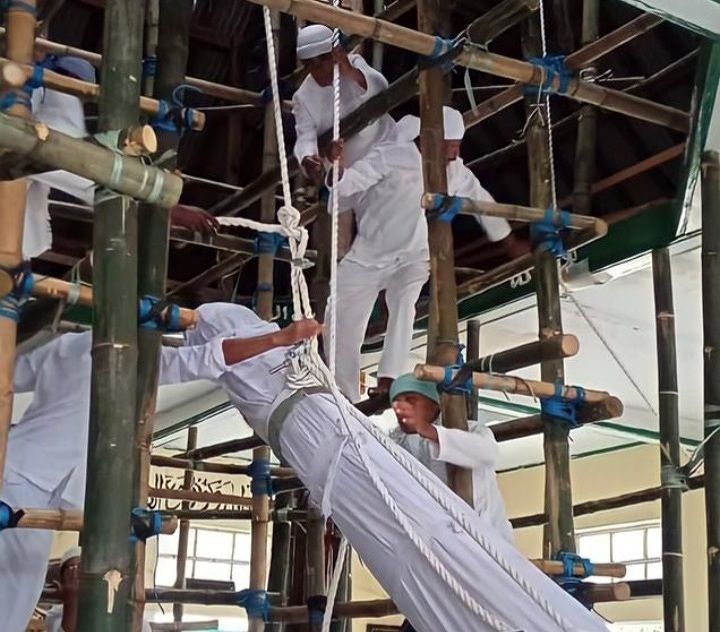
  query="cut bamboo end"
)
[
  {"x": 141, "y": 141},
  {"x": 569, "y": 345},
  {"x": 553, "y": 567},
  {"x": 602, "y": 593},
  {"x": 12, "y": 76}
]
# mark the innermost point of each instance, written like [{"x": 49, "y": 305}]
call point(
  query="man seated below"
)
[
  {"x": 416, "y": 404},
  {"x": 64, "y": 618}
]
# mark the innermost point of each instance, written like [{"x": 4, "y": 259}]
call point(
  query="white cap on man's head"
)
[
  {"x": 313, "y": 41},
  {"x": 453, "y": 123},
  {"x": 71, "y": 553}
]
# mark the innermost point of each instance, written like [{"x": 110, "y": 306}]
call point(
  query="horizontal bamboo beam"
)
[
  {"x": 376, "y": 608},
  {"x": 510, "y": 384},
  {"x": 507, "y": 360},
  {"x": 606, "y": 504},
  {"x": 119, "y": 173},
  {"x": 501, "y": 17},
  {"x": 217, "y": 468},
  {"x": 200, "y": 497},
  {"x": 277, "y": 515},
  {"x": 186, "y": 626},
  {"x": 91, "y": 91},
  {"x": 478, "y": 59},
  {"x": 644, "y": 588},
  {"x": 553, "y": 567},
  {"x": 72, "y": 520},
  {"x": 226, "y": 447},
  {"x": 202, "y": 597},
  {"x": 604, "y": 593},
  {"x": 72, "y": 293},
  {"x": 513, "y": 212}
]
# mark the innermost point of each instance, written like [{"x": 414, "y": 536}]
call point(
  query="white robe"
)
[{"x": 314, "y": 441}]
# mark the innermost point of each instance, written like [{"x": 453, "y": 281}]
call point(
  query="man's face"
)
[
  {"x": 414, "y": 410},
  {"x": 452, "y": 149},
  {"x": 321, "y": 69}
]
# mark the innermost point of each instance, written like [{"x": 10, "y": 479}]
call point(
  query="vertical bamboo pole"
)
[
  {"x": 105, "y": 582},
  {"x": 280, "y": 558},
  {"x": 587, "y": 122},
  {"x": 184, "y": 531},
  {"x": 152, "y": 30},
  {"x": 315, "y": 568},
  {"x": 19, "y": 41},
  {"x": 442, "y": 329},
  {"x": 473, "y": 353},
  {"x": 672, "y": 483},
  {"x": 172, "y": 38},
  {"x": 559, "y": 533},
  {"x": 711, "y": 345}
]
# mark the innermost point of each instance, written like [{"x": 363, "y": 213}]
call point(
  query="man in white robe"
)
[{"x": 319, "y": 437}]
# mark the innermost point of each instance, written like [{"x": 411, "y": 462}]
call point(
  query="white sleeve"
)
[
  {"x": 363, "y": 175},
  {"x": 305, "y": 130},
  {"x": 376, "y": 81},
  {"x": 496, "y": 228},
  {"x": 465, "y": 449},
  {"x": 27, "y": 366},
  {"x": 186, "y": 364}
]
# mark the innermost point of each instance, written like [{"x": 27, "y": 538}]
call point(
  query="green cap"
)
[{"x": 408, "y": 383}]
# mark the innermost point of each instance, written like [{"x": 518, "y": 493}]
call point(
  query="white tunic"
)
[
  {"x": 313, "y": 110},
  {"x": 476, "y": 450}
]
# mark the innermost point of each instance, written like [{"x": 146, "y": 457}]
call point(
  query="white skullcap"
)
[
  {"x": 454, "y": 124},
  {"x": 313, "y": 41},
  {"x": 72, "y": 552}
]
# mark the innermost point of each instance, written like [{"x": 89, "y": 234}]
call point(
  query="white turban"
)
[
  {"x": 71, "y": 553},
  {"x": 454, "y": 124},
  {"x": 313, "y": 41}
]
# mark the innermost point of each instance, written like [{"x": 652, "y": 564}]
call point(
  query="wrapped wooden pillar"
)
[
  {"x": 672, "y": 481},
  {"x": 559, "y": 532},
  {"x": 711, "y": 345},
  {"x": 173, "y": 35},
  {"x": 105, "y": 580},
  {"x": 443, "y": 324},
  {"x": 20, "y": 38},
  {"x": 473, "y": 354}
]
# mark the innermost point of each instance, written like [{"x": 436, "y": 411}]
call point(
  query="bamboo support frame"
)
[
  {"x": 218, "y": 468},
  {"x": 200, "y": 497},
  {"x": 184, "y": 534},
  {"x": 123, "y": 174},
  {"x": 13, "y": 195},
  {"x": 72, "y": 520},
  {"x": 670, "y": 476},
  {"x": 226, "y": 447},
  {"x": 513, "y": 212},
  {"x": 477, "y": 59},
  {"x": 553, "y": 567},
  {"x": 711, "y": 357}
]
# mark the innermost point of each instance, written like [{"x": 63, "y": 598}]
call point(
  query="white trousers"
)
[
  {"x": 357, "y": 290},
  {"x": 24, "y": 555},
  {"x": 315, "y": 443}
]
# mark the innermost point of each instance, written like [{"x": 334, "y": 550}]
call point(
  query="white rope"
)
[
  {"x": 548, "y": 112},
  {"x": 334, "y": 584}
]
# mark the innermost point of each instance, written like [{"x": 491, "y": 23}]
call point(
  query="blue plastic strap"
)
[
  {"x": 269, "y": 243},
  {"x": 261, "y": 481},
  {"x": 155, "y": 313},
  {"x": 559, "y": 407},
  {"x": 22, "y": 289},
  {"x": 315, "y": 617},
  {"x": 15, "y": 97},
  {"x": 149, "y": 67},
  {"x": 146, "y": 524},
  {"x": 163, "y": 120},
  {"x": 36, "y": 79},
  {"x": 445, "y": 207},
  {"x": 9, "y": 518},
  {"x": 546, "y": 232},
  {"x": 264, "y": 287},
  {"x": 443, "y": 54},
  {"x": 255, "y": 602},
  {"x": 19, "y": 5},
  {"x": 449, "y": 385},
  {"x": 553, "y": 66}
]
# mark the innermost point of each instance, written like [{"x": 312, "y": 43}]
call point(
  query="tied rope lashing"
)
[
  {"x": 571, "y": 584},
  {"x": 260, "y": 479},
  {"x": 546, "y": 234},
  {"x": 174, "y": 116},
  {"x": 460, "y": 383},
  {"x": 22, "y": 286},
  {"x": 562, "y": 408},
  {"x": 255, "y": 602},
  {"x": 145, "y": 524},
  {"x": 444, "y": 207},
  {"x": 552, "y": 66},
  {"x": 157, "y": 313},
  {"x": 444, "y": 53},
  {"x": 9, "y": 518}
]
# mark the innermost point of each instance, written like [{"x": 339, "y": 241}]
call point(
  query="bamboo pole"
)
[
  {"x": 122, "y": 174},
  {"x": 671, "y": 478},
  {"x": 152, "y": 34},
  {"x": 20, "y": 17},
  {"x": 552, "y": 348},
  {"x": 91, "y": 92},
  {"x": 105, "y": 576},
  {"x": 184, "y": 534},
  {"x": 226, "y": 447},
  {"x": 218, "y": 468},
  {"x": 473, "y": 355},
  {"x": 83, "y": 295},
  {"x": 185, "y": 627},
  {"x": 500, "y": 18},
  {"x": 280, "y": 556},
  {"x": 513, "y": 212},
  {"x": 478, "y": 59},
  {"x": 200, "y": 497},
  {"x": 71, "y": 520},
  {"x": 510, "y": 384},
  {"x": 711, "y": 345},
  {"x": 553, "y": 567},
  {"x": 280, "y": 515},
  {"x": 172, "y": 35},
  {"x": 315, "y": 589},
  {"x": 607, "y": 504},
  {"x": 260, "y": 504}
]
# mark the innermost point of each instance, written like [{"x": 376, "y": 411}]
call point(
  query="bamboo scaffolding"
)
[
  {"x": 91, "y": 91},
  {"x": 106, "y": 566},
  {"x": 315, "y": 588},
  {"x": 711, "y": 357},
  {"x": 122, "y": 174},
  {"x": 280, "y": 515},
  {"x": 218, "y": 468},
  {"x": 553, "y": 567},
  {"x": 513, "y": 212},
  {"x": 472, "y": 345},
  {"x": 200, "y": 497},
  {"x": 184, "y": 534},
  {"x": 226, "y": 447},
  {"x": 178, "y": 626},
  {"x": 511, "y": 385},
  {"x": 83, "y": 295},
  {"x": 671, "y": 478},
  {"x": 478, "y": 59},
  {"x": 71, "y": 520},
  {"x": 630, "y": 499},
  {"x": 20, "y": 17}
]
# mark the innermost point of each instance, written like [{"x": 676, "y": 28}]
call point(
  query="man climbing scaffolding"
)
[{"x": 445, "y": 567}]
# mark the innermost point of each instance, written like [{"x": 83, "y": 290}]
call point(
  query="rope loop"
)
[
  {"x": 145, "y": 524},
  {"x": 9, "y": 518},
  {"x": 255, "y": 602},
  {"x": 260, "y": 479},
  {"x": 444, "y": 207},
  {"x": 559, "y": 407},
  {"x": 546, "y": 233},
  {"x": 552, "y": 66},
  {"x": 157, "y": 313}
]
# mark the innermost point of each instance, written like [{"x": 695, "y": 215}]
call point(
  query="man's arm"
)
[
  {"x": 305, "y": 130},
  {"x": 363, "y": 175},
  {"x": 465, "y": 449},
  {"x": 238, "y": 350}
]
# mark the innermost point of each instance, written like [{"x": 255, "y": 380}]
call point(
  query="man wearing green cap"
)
[{"x": 417, "y": 407}]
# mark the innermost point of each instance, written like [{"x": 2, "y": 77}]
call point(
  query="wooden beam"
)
[{"x": 500, "y": 18}]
